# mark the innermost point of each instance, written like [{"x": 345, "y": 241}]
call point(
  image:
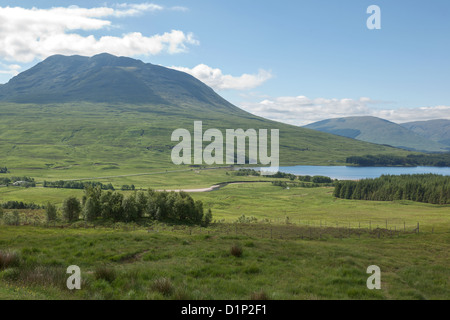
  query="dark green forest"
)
[
  {"x": 428, "y": 188},
  {"x": 412, "y": 160},
  {"x": 76, "y": 185}
]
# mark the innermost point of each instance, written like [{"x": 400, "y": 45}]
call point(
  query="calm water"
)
[{"x": 356, "y": 173}]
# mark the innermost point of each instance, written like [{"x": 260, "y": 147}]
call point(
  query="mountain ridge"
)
[
  {"x": 106, "y": 78},
  {"x": 436, "y": 130},
  {"x": 379, "y": 131}
]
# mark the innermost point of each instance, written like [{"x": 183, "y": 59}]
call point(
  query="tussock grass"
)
[
  {"x": 236, "y": 251},
  {"x": 163, "y": 286},
  {"x": 259, "y": 295},
  {"x": 105, "y": 273},
  {"x": 9, "y": 259}
]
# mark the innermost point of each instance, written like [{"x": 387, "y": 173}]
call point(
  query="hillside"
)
[
  {"x": 436, "y": 130},
  {"x": 376, "y": 130},
  {"x": 114, "y": 115}
]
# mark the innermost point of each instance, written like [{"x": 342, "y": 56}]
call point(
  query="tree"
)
[
  {"x": 92, "y": 203},
  {"x": 130, "y": 209},
  {"x": 51, "y": 212},
  {"x": 90, "y": 211},
  {"x": 71, "y": 209},
  {"x": 207, "y": 219}
]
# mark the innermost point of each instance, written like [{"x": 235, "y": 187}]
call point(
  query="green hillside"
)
[
  {"x": 70, "y": 115},
  {"x": 436, "y": 130},
  {"x": 380, "y": 131}
]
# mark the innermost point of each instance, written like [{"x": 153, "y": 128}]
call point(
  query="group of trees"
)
[
  {"x": 4, "y": 170},
  {"x": 20, "y": 205},
  {"x": 412, "y": 160},
  {"x": 429, "y": 188},
  {"x": 27, "y": 181},
  {"x": 286, "y": 184},
  {"x": 246, "y": 172},
  {"x": 77, "y": 185},
  {"x": 283, "y": 175},
  {"x": 160, "y": 206}
]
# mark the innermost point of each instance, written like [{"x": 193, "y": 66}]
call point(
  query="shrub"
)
[
  {"x": 207, "y": 219},
  {"x": 163, "y": 286},
  {"x": 236, "y": 251},
  {"x": 11, "y": 219},
  {"x": 246, "y": 220}
]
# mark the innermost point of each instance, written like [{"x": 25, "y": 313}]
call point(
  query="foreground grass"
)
[
  {"x": 173, "y": 264},
  {"x": 297, "y": 260}
]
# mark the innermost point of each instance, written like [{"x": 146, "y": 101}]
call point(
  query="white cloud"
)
[
  {"x": 12, "y": 69},
  {"x": 27, "y": 34},
  {"x": 302, "y": 110},
  {"x": 218, "y": 81}
]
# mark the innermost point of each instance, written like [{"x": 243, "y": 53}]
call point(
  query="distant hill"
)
[
  {"x": 436, "y": 130},
  {"x": 380, "y": 131},
  {"x": 109, "y": 113}
]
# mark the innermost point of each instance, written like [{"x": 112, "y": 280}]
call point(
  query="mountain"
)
[
  {"x": 376, "y": 130},
  {"x": 436, "y": 130},
  {"x": 107, "y": 78},
  {"x": 116, "y": 115}
]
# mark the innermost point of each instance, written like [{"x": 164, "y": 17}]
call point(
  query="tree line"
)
[
  {"x": 283, "y": 175},
  {"x": 28, "y": 182},
  {"x": 20, "y": 205},
  {"x": 158, "y": 206},
  {"x": 285, "y": 184},
  {"x": 428, "y": 188},
  {"x": 412, "y": 160},
  {"x": 77, "y": 185}
]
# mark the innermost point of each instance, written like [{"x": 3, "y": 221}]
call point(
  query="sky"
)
[{"x": 296, "y": 61}]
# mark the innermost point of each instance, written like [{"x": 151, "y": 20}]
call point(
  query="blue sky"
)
[{"x": 293, "y": 61}]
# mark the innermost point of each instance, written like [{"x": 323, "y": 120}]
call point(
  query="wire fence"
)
[{"x": 287, "y": 230}]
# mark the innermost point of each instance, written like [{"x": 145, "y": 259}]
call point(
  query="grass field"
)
[
  {"x": 294, "y": 260},
  {"x": 119, "y": 264}
]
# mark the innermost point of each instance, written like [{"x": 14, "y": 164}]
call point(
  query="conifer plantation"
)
[{"x": 427, "y": 188}]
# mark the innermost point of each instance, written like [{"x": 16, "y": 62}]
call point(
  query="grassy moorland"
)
[
  {"x": 76, "y": 140},
  {"x": 311, "y": 255},
  {"x": 173, "y": 264}
]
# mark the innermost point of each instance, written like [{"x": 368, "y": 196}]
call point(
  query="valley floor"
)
[{"x": 299, "y": 243}]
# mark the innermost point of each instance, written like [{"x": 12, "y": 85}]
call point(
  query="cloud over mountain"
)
[
  {"x": 215, "y": 78},
  {"x": 29, "y": 34},
  {"x": 302, "y": 110}
]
